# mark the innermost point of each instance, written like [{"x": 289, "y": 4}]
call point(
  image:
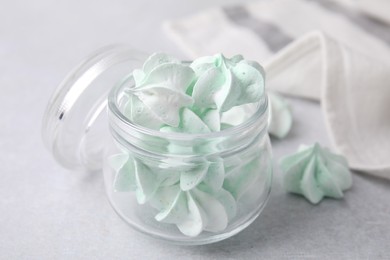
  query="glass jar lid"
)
[{"x": 75, "y": 124}]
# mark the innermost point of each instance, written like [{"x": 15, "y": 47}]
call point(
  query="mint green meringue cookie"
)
[
  {"x": 173, "y": 205},
  {"x": 214, "y": 178},
  {"x": 224, "y": 83},
  {"x": 207, "y": 212},
  {"x": 152, "y": 62},
  {"x": 191, "y": 177},
  {"x": 189, "y": 123},
  {"x": 315, "y": 173},
  {"x": 133, "y": 175},
  {"x": 213, "y": 214},
  {"x": 124, "y": 179},
  {"x": 212, "y": 119},
  {"x": 240, "y": 177},
  {"x": 164, "y": 103},
  {"x": 159, "y": 92}
]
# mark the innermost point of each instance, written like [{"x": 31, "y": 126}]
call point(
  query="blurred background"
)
[{"x": 47, "y": 212}]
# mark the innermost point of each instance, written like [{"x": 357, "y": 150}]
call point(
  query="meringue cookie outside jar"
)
[{"x": 187, "y": 188}]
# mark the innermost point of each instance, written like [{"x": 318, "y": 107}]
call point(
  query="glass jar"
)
[{"x": 179, "y": 187}]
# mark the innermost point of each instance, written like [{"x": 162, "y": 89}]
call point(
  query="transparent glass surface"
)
[
  {"x": 75, "y": 121},
  {"x": 187, "y": 188}
]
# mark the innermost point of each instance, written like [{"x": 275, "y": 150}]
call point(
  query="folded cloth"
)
[
  {"x": 313, "y": 49},
  {"x": 379, "y": 9}
]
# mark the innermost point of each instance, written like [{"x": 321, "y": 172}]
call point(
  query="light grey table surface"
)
[{"x": 47, "y": 212}]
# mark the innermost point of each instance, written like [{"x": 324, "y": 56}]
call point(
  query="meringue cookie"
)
[
  {"x": 212, "y": 119},
  {"x": 224, "y": 83},
  {"x": 279, "y": 116},
  {"x": 194, "y": 211},
  {"x": 315, "y": 172},
  {"x": 189, "y": 123},
  {"x": 159, "y": 92},
  {"x": 240, "y": 177},
  {"x": 152, "y": 62},
  {"x": 124, "y": 178},
  {"x": 172, "y": 204},
  {"x": 133, "y": 175}
]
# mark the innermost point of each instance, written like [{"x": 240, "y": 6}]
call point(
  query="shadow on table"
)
[
  {"x": 276, "y": 223},
  {"x": 373, "y": 179}
]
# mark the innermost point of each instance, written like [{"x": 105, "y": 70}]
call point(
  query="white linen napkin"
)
[
  {"x": 319, "y": 50},
  {"x": 379, "y": 9}
]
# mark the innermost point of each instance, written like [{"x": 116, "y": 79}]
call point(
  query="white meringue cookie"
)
[
  {"x": 279, "y": 116},
  {"x": 160, "y": 92},
  {"x": 214, "y": 215},
  {"x": 139, "y": 113},
  {"x": 175, "y": 211},
  {"x": 194, "y": 224},
  {"x": 164, "y": 103},
  {"x": 152, "y": 62}
]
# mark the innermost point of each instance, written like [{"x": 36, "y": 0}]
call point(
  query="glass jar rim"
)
[{"x": 113, "y": 107}]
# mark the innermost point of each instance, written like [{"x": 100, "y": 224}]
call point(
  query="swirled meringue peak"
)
[
  {"x": 224, "y": 83},
  {"x": 315, "y": 172},
  {"x": 159, "y": 92}
]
